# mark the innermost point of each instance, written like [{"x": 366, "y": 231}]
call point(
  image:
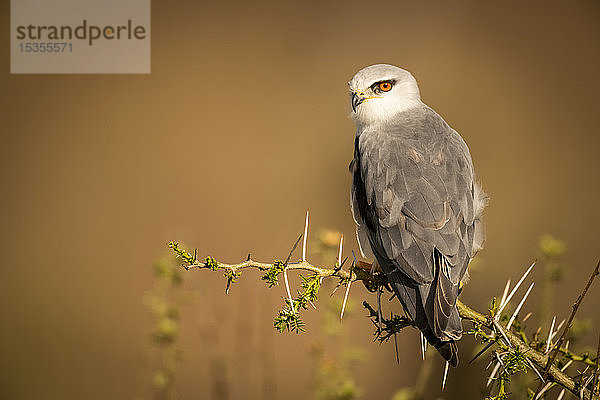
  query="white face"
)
[{"x": 379, "y": 92}]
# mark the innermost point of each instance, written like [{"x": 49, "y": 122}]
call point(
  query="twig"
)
[
  {"x": 362, "y": 273},
  {"x": 554, "y": 351},
  {"x": 532, "y": 355},
  {"x": 549, "y": 384}
]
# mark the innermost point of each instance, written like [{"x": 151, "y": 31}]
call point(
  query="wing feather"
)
[{"x": 415, "y": 197}]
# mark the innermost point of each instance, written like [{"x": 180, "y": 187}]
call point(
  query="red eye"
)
[{"x": 385, "y": 86}]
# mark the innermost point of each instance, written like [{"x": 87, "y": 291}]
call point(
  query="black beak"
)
[{"x": 356, "y": 100}]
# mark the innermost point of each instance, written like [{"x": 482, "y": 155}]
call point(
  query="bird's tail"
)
[
  {"x": 449, "y": 351},
  {"x": 411, "y": 297}
]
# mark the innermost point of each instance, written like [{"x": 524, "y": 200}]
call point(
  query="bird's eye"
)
[{"x": 385, "y": 86}]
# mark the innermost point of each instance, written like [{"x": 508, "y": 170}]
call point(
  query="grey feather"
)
[{"x": 416, "y": 203}]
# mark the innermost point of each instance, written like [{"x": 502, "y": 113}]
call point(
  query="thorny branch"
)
[{"x": 361, "y": 271}]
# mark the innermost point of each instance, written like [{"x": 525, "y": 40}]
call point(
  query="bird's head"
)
[{"x": 379, "y": 92}]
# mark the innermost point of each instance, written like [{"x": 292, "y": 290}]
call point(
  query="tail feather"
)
[
  {"x": 441, "y": 326},
  {"x": 449, "y": 351}
]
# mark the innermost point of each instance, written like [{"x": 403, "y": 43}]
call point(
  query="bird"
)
[{"x": 415, "y": 201}]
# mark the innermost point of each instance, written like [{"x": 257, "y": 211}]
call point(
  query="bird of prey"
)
[{"x": 415, "y": 201}]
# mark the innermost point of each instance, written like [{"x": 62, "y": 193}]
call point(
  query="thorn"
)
[
  {"x": 336, "y": 288},
  {"x": 557, "y": 329},
  {"x": 445, "y": 376},
  {"x": 550, "y": 335},
  {"x": 544, "y": 389},
  {"x": 340, "y": 252},
  {"x": 379, "y": 317},
  {"x": 287, "y": 287},
  {"x": 346, "y": 295},
  {"x": 512, "y": 293},
  {"x": 493, "y": 374},
  {"x": 519, "y": 306},
  {"x": 480, "y": 352},
  {"x": 422, "y": 346},
  {"x": 344, "y": 261},
  {"x": 535, "y": 370},
  {"x": 305, "y": 235},
  {"x": 195, "y": 254},
  {"x": 561, "y": 394},
  {"x": 396, "y": 345},
  {"x": 228, "y": 285},
  {"x": 499, "y": 328},
  {"x": 564, "y": 368},
  {"x": 504, "y": 293},
  {"x": 312, "y": 304},
  {"x": 499, "y": 359},
  {"x": 292, "y": 251},
  {"x": 248, "y": 259},
  {"x": 587, "y": 382},
  {"x": 529, "y": 314}
]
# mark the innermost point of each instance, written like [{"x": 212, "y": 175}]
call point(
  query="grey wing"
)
[{"x": 421, "y": 214}]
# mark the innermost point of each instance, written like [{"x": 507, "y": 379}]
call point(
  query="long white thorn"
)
[
  {"x": 340, "y": 252},
  {"x": 561, "y": 394},
  {"x": 304, "y": 238},
  {"x": 346, "y": 295},
  {"x": 564, "y": 368},
  {"x": 585, "y": 384},
  {"x": 422, "y": 346},
  {"x": 287, "y": 288},
  {"x": 519, "y": 306},
  {"x": 445, "y": 376},
  {"x": 503, "y": 299},
  {"x": 557, "y": 329},
  {"x": 493, "y": 374},
  {"x": 544, "y": 389},
  {"x": 550, "y": 334},
  {"x": 512, "y": 293}
]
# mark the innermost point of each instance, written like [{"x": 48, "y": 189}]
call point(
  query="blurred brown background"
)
[{"x": 242, "y": 126}]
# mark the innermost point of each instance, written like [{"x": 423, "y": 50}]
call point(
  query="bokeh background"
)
[{"x": 240, "y": 128}]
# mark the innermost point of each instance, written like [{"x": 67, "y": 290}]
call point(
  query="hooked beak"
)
[{"x": 356, "y": 100}]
